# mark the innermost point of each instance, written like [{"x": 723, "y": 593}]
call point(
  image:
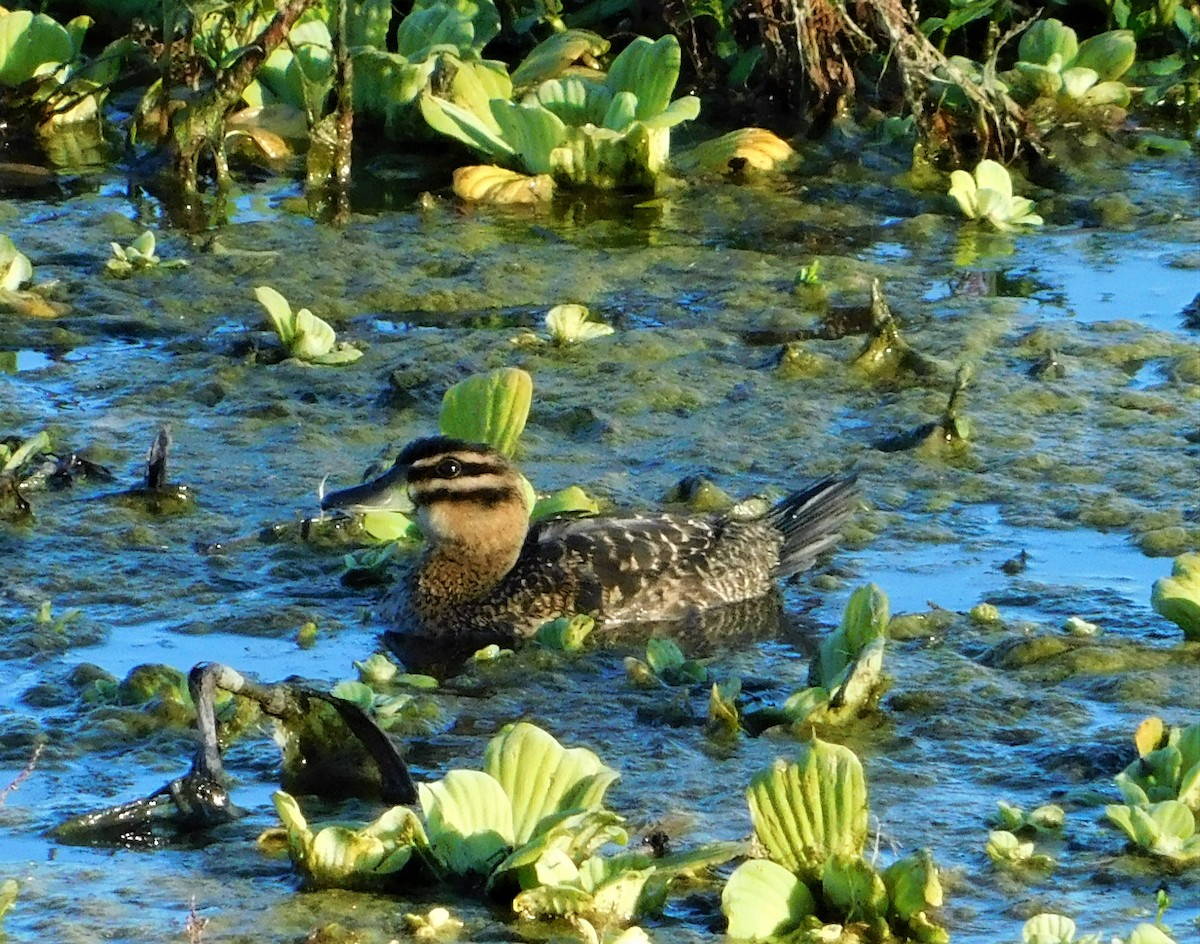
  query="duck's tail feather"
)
[{"x": 811, "y": 521}]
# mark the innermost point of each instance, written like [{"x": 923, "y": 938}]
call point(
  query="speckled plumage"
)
[{"x": 487, "y": 572}]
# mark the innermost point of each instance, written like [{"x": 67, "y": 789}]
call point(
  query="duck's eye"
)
[{"x": 449, "y": 468}]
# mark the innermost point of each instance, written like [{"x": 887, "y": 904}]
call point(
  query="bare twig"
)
[{"x": 24, "y": 774}]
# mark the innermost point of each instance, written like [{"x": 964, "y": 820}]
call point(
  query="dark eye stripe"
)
[
  {"x": 488, "y": 497},
  {"x": 425, "y": 473}
]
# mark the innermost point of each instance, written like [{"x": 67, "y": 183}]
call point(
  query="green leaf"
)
[
  {"x": 605, "y": 889},
  {"x": 490, "y": 408},
  {"x": 532, "y": 131},
  {"x": 341, "y": 856},
  {"x": 571, "y": 500},
  {"x": 367, "y": 23},
  {"x": 469, "y": 821},
  {"x": 1046, "y": 39},
  {"x": 565, "y": 634},
  {"x": 573, "y": 835},
  {"x": 570, "y": 324},
  {"x": 574, "y": 101},
  {"x": 33, "y": 446},
  {"x": 853, "y": 889},
  {"x": 312, "y": 337},
  {"x": 913, "y": 884},
  {"x": 467, "y": 25},
  {"x": 1076, "y": 81},
  {"x": 811, "y": 810},
  {"x": 648, "y": 69},
  {"x": 1110, "y": 54},
  {"x": 479, "y": 131},
  {"x": 663, "y": 655},
  {"x": 1048, "y": 929},
  {"x": 144, "y": 245},
  {"x": 279, "y": 311},
  {"x": 762, "y": 900},
  {"x": 542, "y": 778},
  {"x": 863, "y": 622},
  {"x": 549, "y": 58},
  {"x": 1178, "y": 597},
  {"x": 15, "y": 268},
  {"x": 31, "y": 46}
]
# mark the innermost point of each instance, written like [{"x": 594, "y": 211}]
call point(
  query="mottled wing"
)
[{"x": 624, "y": 566}]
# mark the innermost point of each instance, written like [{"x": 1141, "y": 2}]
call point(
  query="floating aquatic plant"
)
[
  {"x": 747, "y": 148},
  {"x": 43, "y": 73},
  {"x": 1014, "y": 819},
  {"x": 16, "y": 271},
  {"x": 138, "y": 256},
  {"x": 570, "y": 324},
  {"x": 846, "y": 676},
  {"x": 341, "y": 855},
  {"x": 565, "y": 634},
  {"x": 1007, "y": 851},
  {"x": 988, "y": 195},
  {"x": 1048, "y": 928},
  {"x": 607, "y": 134},
  {"x": 665, "y": 662},
  {"x": 490, "y": 408},
  {"x": 811, "y": 817},
  {"x": 487, "y": 183},
  {"x": 809, "y": 274},
  {"x": 436, "y": 923},
  {"x": 1053, "y": 64},
  {"x": 1166, "y": 829},
  {"x": 9, "y": 890},
  {"x": 1167, "y": 768},
  {"x": 530, "y": 823},
  {"x": 1178, "y": 597},
  {"x": 303, "y": 335},
  {"x": 12, "y": 457}
]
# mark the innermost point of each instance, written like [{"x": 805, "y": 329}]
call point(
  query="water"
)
[{"x": 1081, "y": 471}]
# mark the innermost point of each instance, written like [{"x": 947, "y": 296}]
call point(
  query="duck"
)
[{"x": 486, "y": 571}]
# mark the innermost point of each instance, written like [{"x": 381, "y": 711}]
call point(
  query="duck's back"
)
[{"x": 654, "y": 568}]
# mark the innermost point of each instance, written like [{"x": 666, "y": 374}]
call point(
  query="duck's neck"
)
[{"x": 469, "y": 557}]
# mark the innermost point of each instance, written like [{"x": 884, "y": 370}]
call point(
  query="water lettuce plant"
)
[
  {"x": 1014, "y": 819},
  {"x": 811, "y": 818},
  {"x": 747, "y": 148},
  {"x": 987, "y": 194},
  {"x": 529, "y": 825},
  {"x": 137, "y": 256},
  {"x": 1009, "y": 852},
  {"x": 304, "y": 336},
  {"x": 490, "y": 408},
  {"x": 1161, "y": 790},
  {"x": 1053, "y": 64},
  {"x": 487, "y": 183},
  {"x": 1166, "y": 829},
  {"x": 1178, "y": 597},
  {"x": 665, "y": 662},
  {"x": 1049, "y": 928},
  {"x": 606, "y": 133},
  {"x": 439, "y": 42},
  {"x": 565, "y": 634},
  {"x": 570, "y": 324},
  {"x": 16, "y": 271},
  {"x": 845, "y": 678},
  {"x": 1167, "y": 767},
  {"x": 42, "y": 68}
]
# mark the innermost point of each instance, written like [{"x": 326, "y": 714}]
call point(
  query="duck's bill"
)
[{"x": 388, "y": 492}]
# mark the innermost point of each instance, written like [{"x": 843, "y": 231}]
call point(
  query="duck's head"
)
[{"x": 463, "y": 493}]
